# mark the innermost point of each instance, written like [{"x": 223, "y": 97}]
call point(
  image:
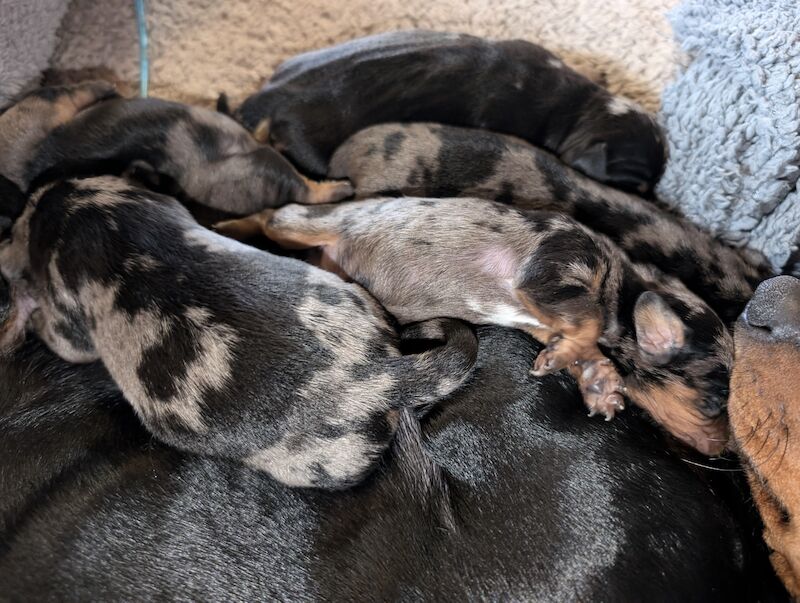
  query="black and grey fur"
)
[
  {"x": 541, "y": 272},
  {"x": 221, "y": 349},
  {"x": 505, "y": 493},
  {"x": 432, "y": 160},
  {"x": 203, "y": 154},
  {"x": 315, "y": 101}
]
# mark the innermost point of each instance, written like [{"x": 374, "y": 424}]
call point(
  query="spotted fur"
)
[
  {"x": 201, "y": 154},
  {"x": 433, "y": 160},
  {"x": 543, "y": 273},
  {"x": 315, "y": 101},
  {"x": 222, "y": 349}
]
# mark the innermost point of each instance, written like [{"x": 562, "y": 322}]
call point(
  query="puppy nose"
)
[{"x": 775, "y": 306}]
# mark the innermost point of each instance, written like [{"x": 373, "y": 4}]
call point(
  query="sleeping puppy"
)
[
  {"x": 206, "y": 155},
  {"x": 24, "y": 125},
  {"x": 503, "y": 493},
  {"x": 540, "y": 272},
  {"x": 315, "y": 101},
  {"x": 765, "y": 416},
  {"x": 222, "y": 349},
  {"x": 432, "y": 160}
]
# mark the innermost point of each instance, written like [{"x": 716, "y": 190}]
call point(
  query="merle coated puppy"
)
[
  {"x": 618, "y": 327},
  {"x": 222, "y": 349},
  {"x": 433, "y": 160},
  {"x": 503, "y": 493},
  {"x": 315, "y": 101},
  {"x": 203, "y": 154},
  {"x": 24, "y": 125}
]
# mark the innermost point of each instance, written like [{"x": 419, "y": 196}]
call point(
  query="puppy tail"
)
[{"x": 435, "y": 373}]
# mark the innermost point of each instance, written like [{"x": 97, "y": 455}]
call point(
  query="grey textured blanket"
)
[{"x": 733, "y": 122}]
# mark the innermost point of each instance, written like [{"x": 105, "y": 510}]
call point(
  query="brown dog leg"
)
[
  {"x": 288, "y": 228},
  {"x": 572, "y": 344}
]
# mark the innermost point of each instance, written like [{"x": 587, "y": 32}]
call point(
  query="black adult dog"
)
[
  {"x": 317, "y": 100},
  {"x": 505, "y": 492}
]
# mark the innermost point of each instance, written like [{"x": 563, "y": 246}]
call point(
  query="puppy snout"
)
[{"x": 775, "y": 307}]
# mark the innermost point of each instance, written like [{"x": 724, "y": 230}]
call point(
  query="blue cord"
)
[{"x": 144, "y": 63}]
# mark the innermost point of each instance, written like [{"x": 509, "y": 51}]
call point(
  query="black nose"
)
[{"x": 775, "y": 307}]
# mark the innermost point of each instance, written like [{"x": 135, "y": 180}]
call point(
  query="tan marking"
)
[
  {"x": 675, "y": 407},
  {"x": 764, "y": 411},
  {"x": 285, "y": 236},
  {"x": 244, "y": 228},
  {"x": 261, "y": 133},
  {"x": 327, "y": 191}
]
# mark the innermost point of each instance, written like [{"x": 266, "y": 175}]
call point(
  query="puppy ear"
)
[
  {"x": 593, "y": 161},
  {"x": 660, "y": 333}
]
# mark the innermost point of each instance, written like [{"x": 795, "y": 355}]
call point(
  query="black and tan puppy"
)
[
  {"x": 432, "y": 160},
  {"x": 315, "y": 101},
  {"x": 540, "y": 272},
  {"x": 207, "y": 155},
  {"x": 222, "y": 349},
  {"x": 765, "y": 416}
]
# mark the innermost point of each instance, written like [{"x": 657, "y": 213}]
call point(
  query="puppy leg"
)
[
  {"x": 571, "y": 343},
  {"x": 249, "y": 182},
  {"x": 292, "y": 227}
]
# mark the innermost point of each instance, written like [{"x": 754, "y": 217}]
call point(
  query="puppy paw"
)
[
  {"x": 601, "y": 386},
  {"x": 557, "y": 355}
]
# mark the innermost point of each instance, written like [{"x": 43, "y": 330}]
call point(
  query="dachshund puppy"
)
[
  {"x": 764, "y": 414},
  {"x": 432, "y": 160},
  {"x": 221, "y": 349},
  {"x": 206, "y": 155},
  {"x": 24, "y": 125},
  {"x": 315, "y": 101},
  {"x": 540, "y": 272}
]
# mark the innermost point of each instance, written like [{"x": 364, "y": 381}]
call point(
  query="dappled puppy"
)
[
  {"x": 315, "y": 101},
  {"x": 203, "y": 154},
  {"x": 616, "y": 326},
  {"x": 433, "y": 160},
  {"x": 24, "y": 125},
  {"x": 221, "y": 349},
  {"x": 765, "y": 416}
]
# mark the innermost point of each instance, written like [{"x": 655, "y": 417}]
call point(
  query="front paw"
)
[
  {"x": 601, "y": 386},
  {"x": 551, "y": 359}
]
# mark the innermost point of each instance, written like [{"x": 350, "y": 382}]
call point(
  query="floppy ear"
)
[
  {"x": 593, "y": 161},
  {"x": 660, "y": 333}
]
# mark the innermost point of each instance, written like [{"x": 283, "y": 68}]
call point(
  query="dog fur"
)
[
  {"x": 432, "y": 160},
  {"x": 540, "y": 272},
  {"x": 315, "y": 101},
  {"x": 222, "y": 349},
  {"x": 764, "y": 415},
  {"x": 503, "y": 493},
  {"x": 203, "y": 154}
]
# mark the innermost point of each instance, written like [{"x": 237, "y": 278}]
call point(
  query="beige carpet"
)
[{"x": 202, "y": 47}]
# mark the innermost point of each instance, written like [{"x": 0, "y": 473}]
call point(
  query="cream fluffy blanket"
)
[{"x": 202, "y": 47}]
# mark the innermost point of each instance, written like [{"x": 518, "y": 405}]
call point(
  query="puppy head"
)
[
  {"x": 24, "y": 125},
  {"x": 617, "y": 143},
  {"x": 683, "y": 357},
  {"x": 764, "y": 411}
]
